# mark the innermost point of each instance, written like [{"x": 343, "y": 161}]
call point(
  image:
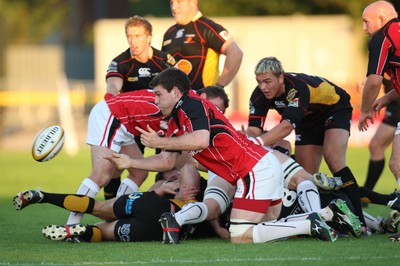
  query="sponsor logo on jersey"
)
[
  {"x": 112, "y": 67},
  {"x": 117, "y": 143},
  {"x": 252, "y": 109},
  {"x": 123, "y": 232},
  {"x": 189, "y": 38},
  {"x": 130, "y": 200},
  {"x": 294, "y": 103},
  {"x": 280, "y": 104},
  {"x": 193, "y": 153},
  {"x": 179, "y": 33},
  {"x": 291, "y": 94},
  {"x": 184, "y": 65},
  {"x": 225, "y": 35},
  {"x": 171, "y": 60},
  {"x": 144, "y": 72},
  {"x": 166, "y": 42},
  {"x": 132, "y": 79}
]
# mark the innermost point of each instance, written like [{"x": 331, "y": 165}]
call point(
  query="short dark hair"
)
[
  {"x": 170, "y": 78},
  {"x": 215, "y": 91}
]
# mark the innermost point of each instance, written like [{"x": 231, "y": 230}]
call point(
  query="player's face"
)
[
  {"x": 371, "y": 22},
  {"x": 216, "y": 101},
  {"x": 270, "y": 85},
  {"x": 183, "y": 10},
  {"x": 166, "y": 100},
  {"x": 138, "y": 40},
  {"x": 172, "y": 175}
]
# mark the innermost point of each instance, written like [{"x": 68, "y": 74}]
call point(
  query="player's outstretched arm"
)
[{"x": 163, "y": 161}]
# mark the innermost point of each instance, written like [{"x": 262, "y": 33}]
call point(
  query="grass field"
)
[{"x": 21, "y": 241}]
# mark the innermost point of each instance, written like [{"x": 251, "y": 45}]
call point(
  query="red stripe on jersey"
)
[{"x": 383, "y": 55}]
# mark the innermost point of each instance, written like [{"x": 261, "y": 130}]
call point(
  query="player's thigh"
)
[
  {"x": 107, "y": 230},
  {"x": 104, "y": 209},
  {"x": 383, "y": 137},
  {"x": 309, "y": 157},
  {"x": 133, "y": 151},
  {"x": 102, "y": 169}
]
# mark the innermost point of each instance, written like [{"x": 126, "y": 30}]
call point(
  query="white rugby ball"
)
[{"x": 48, "y": 143}]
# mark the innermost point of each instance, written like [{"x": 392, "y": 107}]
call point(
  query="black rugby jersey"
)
[
  {"x": 306, "y": 99},
  {"x": 137, "y": 75},
  {"x": 196, "y": 48}
]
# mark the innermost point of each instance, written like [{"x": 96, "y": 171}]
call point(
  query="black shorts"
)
[
  {"x": 392, "y": 113},
  {"x": 313, "y": 133},
  {"x": 138, "y": 215}
]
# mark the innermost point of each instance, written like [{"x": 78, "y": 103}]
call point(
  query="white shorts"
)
[
  {"x": 105, "y": 130},
  {"x": 265, "y": 181}
]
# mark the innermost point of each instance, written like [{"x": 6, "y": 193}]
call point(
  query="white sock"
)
[
  {"x": 398, "y": 182},
  {"x": 127, "y": 186},
  {"x": 88, "y": 188},
  {"x": 308, "y": 196},
  {"x": 294, "y": 218},
  {"x": 192, "y": 213},
  {"x": 265, "y": 232}
]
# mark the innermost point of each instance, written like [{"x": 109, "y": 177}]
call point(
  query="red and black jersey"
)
[
  {"x": 384, "y": 52},
  {"x": 137, "y": 75},
  {"x": 230, "y": 154},
  {"x": 196, "y": 48},
  {"x": 135, "y": 109},
  {"x": 306, "y": 102}
]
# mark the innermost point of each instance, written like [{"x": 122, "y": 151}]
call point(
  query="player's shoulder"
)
[
  {"x": 164, "y": 57},
  {"x": 207, "y": 21},
  {"x": 158, "y": 53},
  {"x": 124, "y": 56},
  {"x": 205, "y": 24}
]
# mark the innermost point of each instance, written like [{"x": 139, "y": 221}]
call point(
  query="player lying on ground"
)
[
  {"x": 135, "y": 217},
  {"x": 132, "y": 217}
]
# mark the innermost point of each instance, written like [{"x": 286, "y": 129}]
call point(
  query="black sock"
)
[
  {"x": 373, "y": 197},
  {"x": 351, "y": 189},
  {"x": 375, "y": 169},
  {"x": 111, "y": 189}
]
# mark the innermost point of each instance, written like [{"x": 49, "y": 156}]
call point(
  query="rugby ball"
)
[{"x": 48, "y": 142}]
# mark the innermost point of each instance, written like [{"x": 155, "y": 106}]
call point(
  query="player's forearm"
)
[
  {"x": 114, "y": 85},
  {"x": 370, "y": 92},
  {"x": 277, "y": 133},
  {"x": 196, "y": 140},
  {"x": 155, "y": 163}
]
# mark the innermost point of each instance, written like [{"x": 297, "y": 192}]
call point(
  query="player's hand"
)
[
  {"x": 379, "y": 104},
  {"x": 149, "y": 138},
  {"x": 187, "y": 192},
  {"x": 120, "y": 161},
  {"x": 170, "y": 187},
  {"x": 243, "y": 130},
  {"x": 363, "y": 121}
]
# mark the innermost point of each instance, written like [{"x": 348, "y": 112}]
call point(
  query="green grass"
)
[{"x": 21, "y": 241}]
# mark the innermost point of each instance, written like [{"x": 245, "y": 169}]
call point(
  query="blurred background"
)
[{"x": 54, "y": 54}]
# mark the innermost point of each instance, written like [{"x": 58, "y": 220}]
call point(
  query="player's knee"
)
[
  {"x": 241, "y": 231},
  {"x": 217, "y": 201},
  {"x": 394, "y": 166}
]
